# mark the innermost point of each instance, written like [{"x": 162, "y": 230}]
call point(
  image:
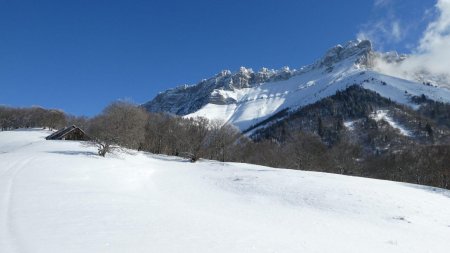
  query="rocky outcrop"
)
[
  {"x": 360, "y": 51},
  {"x": 186, "y": 99}
]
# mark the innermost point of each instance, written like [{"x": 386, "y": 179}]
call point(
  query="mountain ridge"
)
[
  {"x": 246, "y": 77},
  {"x": 245, "y": 97}
]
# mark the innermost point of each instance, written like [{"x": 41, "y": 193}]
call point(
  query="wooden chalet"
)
[{"x": 72, "y": 133}]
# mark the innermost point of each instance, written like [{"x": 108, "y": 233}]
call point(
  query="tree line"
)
[
  {"x": 13, "y": 118},
  {"x": 316, "y": 146},
  {"x": 132, "y": 127}
]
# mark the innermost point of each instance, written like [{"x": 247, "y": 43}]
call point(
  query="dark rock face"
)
[
  {"x": 362, "y": 50},
  {"x": 187, "y": 99}
]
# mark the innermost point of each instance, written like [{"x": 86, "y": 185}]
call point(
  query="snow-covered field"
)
[{"x": 58, "y": 196}]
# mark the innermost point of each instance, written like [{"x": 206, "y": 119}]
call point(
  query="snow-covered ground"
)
[
  {"x": 58, "y": 196},
  {"x": 383, "y": 115}
]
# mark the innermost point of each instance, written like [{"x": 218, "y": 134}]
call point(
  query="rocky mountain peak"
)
[{"x": 359, "y": 51}]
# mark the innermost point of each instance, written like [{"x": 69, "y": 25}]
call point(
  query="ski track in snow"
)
[
  {"x": 57, "y": 196},
  {"x": 9, "y": 193},
  {"x": 7, "y": 188}
]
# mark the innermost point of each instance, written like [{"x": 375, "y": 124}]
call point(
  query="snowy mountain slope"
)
[
  {"x": 58, "y": 196},
  {"x": 246, "y": 105}
]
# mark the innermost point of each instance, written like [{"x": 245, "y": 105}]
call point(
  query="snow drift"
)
[{"x": 58, "y": 196}]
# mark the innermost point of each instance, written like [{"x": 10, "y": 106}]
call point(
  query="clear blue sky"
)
[{"x": 79, "y": 56}]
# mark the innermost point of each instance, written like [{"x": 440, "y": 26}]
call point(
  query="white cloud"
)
[
  {"x": 379, "y": 32},
  {"x": 381, "y": 3},
  {"x": 432, "y": 55},
  {"x": 383, "y": 30},
  {"x": 396, "y": 31}
]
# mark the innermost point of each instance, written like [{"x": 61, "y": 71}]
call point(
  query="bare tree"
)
[
  {"x": 195, "y": 137},
  {"x": 306, "y": 151},
  {"x": 120, "y": 123},
  {"x": 79, "y": 121},
  {"x": 221, "y": 138}
]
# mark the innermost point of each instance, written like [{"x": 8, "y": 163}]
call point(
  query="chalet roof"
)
[{"x": 62, "y": 132}]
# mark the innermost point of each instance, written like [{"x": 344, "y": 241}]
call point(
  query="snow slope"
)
[
  {"x": 258, "y": 103},
  {"x": 58, "y": 196},
  {"x": 383, "y": 115}
]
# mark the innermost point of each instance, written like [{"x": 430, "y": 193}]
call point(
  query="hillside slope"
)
[
  {"x": 246, "y": 98},
  {"x": 58, "y": 196}
]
